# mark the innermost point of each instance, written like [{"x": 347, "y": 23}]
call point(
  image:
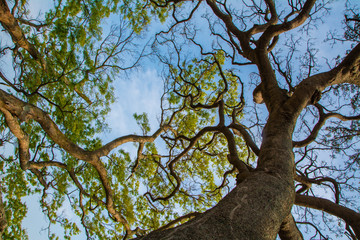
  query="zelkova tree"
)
[{"x": 223, "y": 164}]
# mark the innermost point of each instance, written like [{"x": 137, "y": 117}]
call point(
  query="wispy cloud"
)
[{"x": 140, "y": 93}]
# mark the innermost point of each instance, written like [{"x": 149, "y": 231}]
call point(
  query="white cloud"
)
[
  {"x": 37, "y": 8},
  {"x": 140, "y": 93}
]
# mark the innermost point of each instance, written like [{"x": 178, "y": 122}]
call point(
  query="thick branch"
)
[
  {"x": 22, "y": 137},
  {"x": 289, "y": 230},
  {"x": 3, "y": 221},
  {"x": 233, "y": 156},
  {"x": 348, "y": 71},
  {"x": 11, "y": 25},
  {"x": 246, "y": 136},
  {"x": 103, "y": 151},
  {"x": 243, "y": 38},
  {"x": 276, "y": 30},
  {"x": 349, "y": 216},
  {"x": 322, "y": 120},
  {"x": 25, "y": 111},
  {"x": 272, "y": 94},
  {"x": 273, "y": 20}
]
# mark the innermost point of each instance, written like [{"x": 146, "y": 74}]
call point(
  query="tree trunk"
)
[
  {"x": 258, "y": 206},
  {"x": 255, "y": 210}
]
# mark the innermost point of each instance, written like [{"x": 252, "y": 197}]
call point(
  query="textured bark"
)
[
  {"x": 258, "y": 206},
  {"x": 289, "y": 230},
  {"x": 255, "y": 210}
]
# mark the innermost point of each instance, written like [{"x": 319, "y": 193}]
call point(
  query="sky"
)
[{"x": 138, "y": 93}]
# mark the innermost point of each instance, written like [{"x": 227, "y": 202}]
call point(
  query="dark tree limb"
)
[
  {"x": 289, "y": 230},
  {"x": 240, "y": 129},
  {"x": 322, "y": 120},
  {"x": 276, "y": 30},
  {"x": 243, "y": 37},
  {"x": 273, "y": 19},
  {"x": 351, "y": 217},
  {"x": 172, "y": 163},
  {"x": 11, "y": 25},
  {"x": 179, "y": 219},
  {"x": 346, "y": 72}
]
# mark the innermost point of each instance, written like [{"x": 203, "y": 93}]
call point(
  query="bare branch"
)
[
  {"x": 3, "y": 221},
  {"x": 247, "y": 137},
  {"x": 322, "y": 120},
  {"x": 276, "y": 30},
  {"x": 179, "y": 219},
  {"x": 243, "y": 38}
]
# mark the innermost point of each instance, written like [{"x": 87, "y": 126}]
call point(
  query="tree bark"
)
[
  {"x": 255, "y": 210},
  {"x": 289, "y": 230},
  {"x": 259, "y": 205}
]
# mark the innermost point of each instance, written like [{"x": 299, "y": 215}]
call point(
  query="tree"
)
[{"x": 210, "y": 131}]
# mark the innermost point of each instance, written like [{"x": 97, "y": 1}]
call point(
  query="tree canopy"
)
[{"x": 257, "y": 136}]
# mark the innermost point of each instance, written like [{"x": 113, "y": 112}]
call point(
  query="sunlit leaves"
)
[
  {"x": 76, "y": 84},
  {"x": 143, "y": 122},
  {"x": 140, "y": 12},
  {"x": 14, "y": 186},
  {"x": 195, "y": 89}
]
